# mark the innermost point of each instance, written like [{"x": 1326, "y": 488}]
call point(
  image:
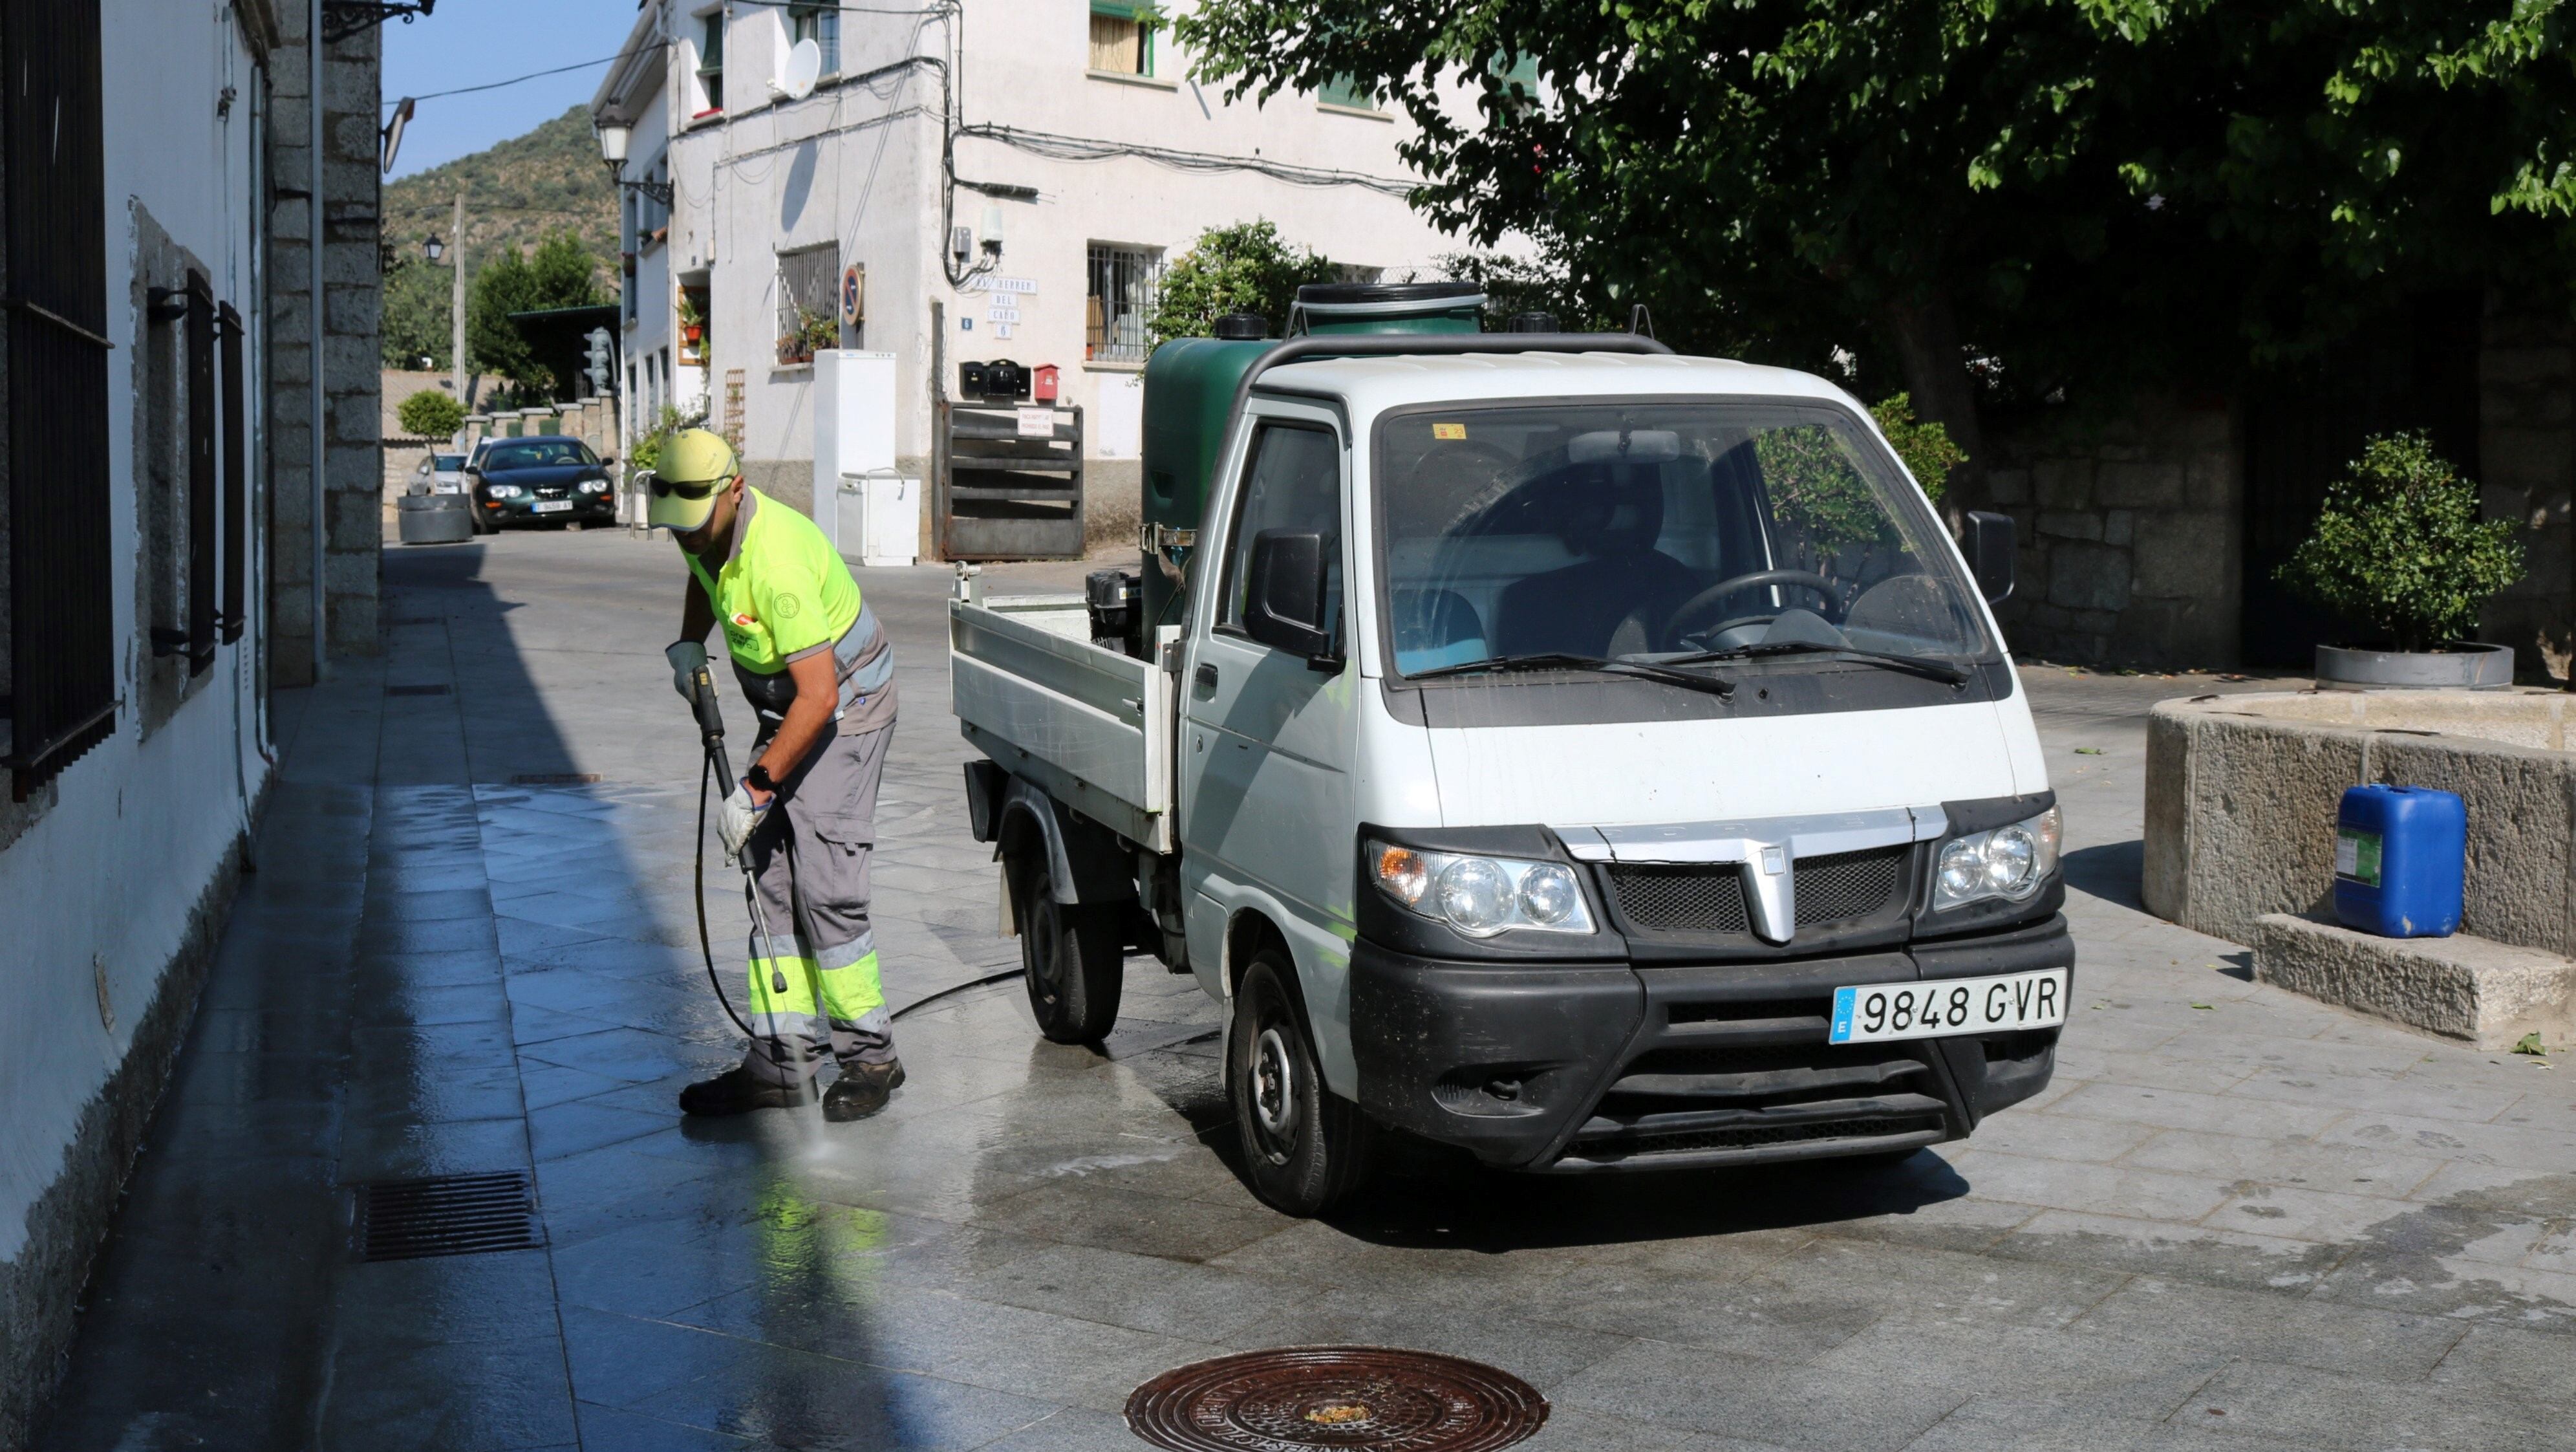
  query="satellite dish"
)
[{"x": 804, "y": 68}]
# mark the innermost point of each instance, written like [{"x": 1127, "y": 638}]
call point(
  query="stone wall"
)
[
  {"x": 2527, "y": 470},
  {"x": 352, "y": 464},
  {"x": 2129, "y": 534}
]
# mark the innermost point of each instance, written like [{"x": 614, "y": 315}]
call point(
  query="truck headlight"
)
[
  {"x": 1481, "y": 896},
  {"x": 2009, "y": 862}
]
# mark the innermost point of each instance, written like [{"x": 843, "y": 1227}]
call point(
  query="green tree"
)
[
  {"x": 1244, "y": 268},
  {"x": 2400, "y": 545},
  {"x": 2072, "y": 196},
  {"x": 417, "y": 322},
  {"x": 560, "y": 273},
  {"x": 431, "y": 414}
]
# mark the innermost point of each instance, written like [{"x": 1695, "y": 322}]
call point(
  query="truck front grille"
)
[{"x": 1710, "y": 898}]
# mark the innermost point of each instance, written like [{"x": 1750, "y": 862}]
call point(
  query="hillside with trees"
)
[{"x": 546, "y": 184}]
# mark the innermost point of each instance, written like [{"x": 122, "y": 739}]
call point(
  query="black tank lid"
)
[{"x": 1328, "y": 294}]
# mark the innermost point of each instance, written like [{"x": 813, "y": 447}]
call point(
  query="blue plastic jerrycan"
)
[{"x": 2400, "y": 854}]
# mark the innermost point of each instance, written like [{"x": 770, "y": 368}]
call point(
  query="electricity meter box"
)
[{"x": 2400, "y": 860}]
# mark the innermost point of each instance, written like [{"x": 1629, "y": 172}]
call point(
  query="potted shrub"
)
[{"x": 2399, "y": 544}]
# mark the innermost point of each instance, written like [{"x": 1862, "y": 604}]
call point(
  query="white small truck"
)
[{"x": 1592, "y": 758}]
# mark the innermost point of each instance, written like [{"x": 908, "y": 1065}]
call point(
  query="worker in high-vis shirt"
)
[{"x": 815, "y": 665}]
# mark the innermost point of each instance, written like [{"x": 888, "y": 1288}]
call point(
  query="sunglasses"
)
[{"x": 673, "y": 488}]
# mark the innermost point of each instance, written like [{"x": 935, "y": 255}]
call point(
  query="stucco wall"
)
[{"x": 114, "y": 876}]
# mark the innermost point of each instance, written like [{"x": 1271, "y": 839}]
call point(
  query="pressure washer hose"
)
[{"x": 706, "y": 949}]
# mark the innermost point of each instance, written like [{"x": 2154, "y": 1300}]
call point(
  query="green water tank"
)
[
  {"x": 1189, "y": 390},
  {"x": 1190, "y": 385}
]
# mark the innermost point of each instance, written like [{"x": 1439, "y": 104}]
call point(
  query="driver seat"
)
[{"x": 1580, "y": 608}]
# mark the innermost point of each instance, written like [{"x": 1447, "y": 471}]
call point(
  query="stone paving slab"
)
[{"x": 2237, "y": 1220}]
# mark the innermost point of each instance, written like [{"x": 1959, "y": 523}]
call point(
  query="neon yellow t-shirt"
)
[{"x": 783, "y": 593}]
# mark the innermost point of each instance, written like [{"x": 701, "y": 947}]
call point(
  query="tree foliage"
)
[
  {"x": 2399, "y": 544},
  {"x": 1924, "y": 448},
  {"x": 2079, "y": 196},
  {"x": 1244, "y": 268},
  {"x": 416, "y": 317},
  {"x": 558, "y": 274},
  {"x": 431, "y": 414}
]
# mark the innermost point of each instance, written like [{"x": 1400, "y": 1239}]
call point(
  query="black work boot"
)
[
  {"x": 735, "y": 1091},
  {"x": 862, "y": 1090}
]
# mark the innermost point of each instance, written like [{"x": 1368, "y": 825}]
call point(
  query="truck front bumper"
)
[{"x": 1601, "y": 1067}]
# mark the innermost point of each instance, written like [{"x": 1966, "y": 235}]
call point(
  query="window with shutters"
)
[
  {"x": 1122, "y": 37},
  {"x": 710, "y": 66},
  {"x": 58, "y": 697},
  {"x": 821, "y": 24}
]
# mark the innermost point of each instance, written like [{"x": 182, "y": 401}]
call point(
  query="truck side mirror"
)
[
  {"x": 1287, "y": 600},
  {"x": 1987, "y": 541}
]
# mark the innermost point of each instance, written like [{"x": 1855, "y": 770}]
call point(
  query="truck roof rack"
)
[{"x": 1431, "y": 345}]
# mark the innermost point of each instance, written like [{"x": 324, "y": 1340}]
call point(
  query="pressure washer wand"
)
[{"x": 702, "y": 702}]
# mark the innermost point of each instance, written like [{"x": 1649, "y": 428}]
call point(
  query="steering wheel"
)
[{"x": 1688, "y": 616}]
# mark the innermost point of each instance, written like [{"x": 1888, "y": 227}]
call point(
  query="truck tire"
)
[
  {"x": 1305, "y": 1148},
  {"x": 1074, "y": 961}
]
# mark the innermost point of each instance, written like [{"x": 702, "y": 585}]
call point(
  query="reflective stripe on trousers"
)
[{"x": 810, "y": 867}]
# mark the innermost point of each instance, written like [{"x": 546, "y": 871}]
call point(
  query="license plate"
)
[
  {"x": 1873, "y": 1012},
  {"x": 553, "y": 506}
]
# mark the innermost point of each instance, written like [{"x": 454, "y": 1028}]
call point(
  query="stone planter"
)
[
  {"x": 436, "y": 518},
  {"x": 2460, "y": 666}
]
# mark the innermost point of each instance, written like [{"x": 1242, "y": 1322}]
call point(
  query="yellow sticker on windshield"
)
[{"x": 1448, "y": 431}]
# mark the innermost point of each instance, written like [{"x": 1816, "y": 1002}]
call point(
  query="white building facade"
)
[
  {"x": 994, "y": 178},
  {"x": 158, "y": 201}
]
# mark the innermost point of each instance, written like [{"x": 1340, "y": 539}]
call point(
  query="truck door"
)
[{"x": 1265, "y": 786}]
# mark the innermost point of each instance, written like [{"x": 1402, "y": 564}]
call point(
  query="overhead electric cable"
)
[{"x": 530, "y": 76}]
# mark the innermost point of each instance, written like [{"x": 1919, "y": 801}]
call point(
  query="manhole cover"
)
[{"x": 1335, "y": 1396}]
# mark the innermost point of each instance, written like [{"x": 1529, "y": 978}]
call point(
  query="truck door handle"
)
[{"x": 1205, "y": 676}]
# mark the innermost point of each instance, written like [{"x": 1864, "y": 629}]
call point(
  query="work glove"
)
[
  {"x": 685, "y": 657},
  {"x": 738, "y": 819}
]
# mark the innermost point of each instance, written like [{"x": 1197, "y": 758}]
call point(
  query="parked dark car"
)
[{"x": 541, "y": 480}]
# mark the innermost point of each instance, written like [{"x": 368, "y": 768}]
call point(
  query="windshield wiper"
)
[
  {"x": 1557, "y": 660},
  {"x": 1912, "y": 664}
]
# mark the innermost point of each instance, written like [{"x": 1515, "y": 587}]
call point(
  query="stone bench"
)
[
  {"x": 2241, "y": 795},
  {"x": 2489, "y": 994}
]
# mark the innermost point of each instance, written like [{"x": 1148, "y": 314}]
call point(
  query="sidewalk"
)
[{"x": 2237, "y": 1220}]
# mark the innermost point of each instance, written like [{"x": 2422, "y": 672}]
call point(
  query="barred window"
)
[
  {"x": 236, "y": 525},
  {"x": 200, "y": 330},
  {"x": 808, "y": 317},
  {"x": 1125, "y": 285},
  {"x": 58, "y": 693}
]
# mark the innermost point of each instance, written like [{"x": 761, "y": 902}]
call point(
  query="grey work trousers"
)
[{"x": 815, "y": 989}]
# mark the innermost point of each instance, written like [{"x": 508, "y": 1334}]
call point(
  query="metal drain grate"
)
[
  {"x": 555, "y": 778},
  {"x": 1335, "y": 1396},
  {"x": 445, "y": 1215},
  {"x": 437, "y": 690}
]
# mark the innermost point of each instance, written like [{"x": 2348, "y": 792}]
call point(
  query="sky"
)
[{"x": 473, "y": 42}]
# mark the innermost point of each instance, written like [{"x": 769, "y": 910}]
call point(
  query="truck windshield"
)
[{"x": 1650, "y": 531}]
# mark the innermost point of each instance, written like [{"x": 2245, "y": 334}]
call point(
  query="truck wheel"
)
[
  {"x": 1304, "y": 1147},
  {"x": 1074, "y": 961}
]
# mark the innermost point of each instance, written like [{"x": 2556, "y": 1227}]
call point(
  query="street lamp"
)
[
  {"x": 613, "y": 137},
  {"x": 432, "y": 248}
]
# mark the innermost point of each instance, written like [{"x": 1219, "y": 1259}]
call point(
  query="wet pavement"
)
[{"x": 2237, "y": 1219}]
